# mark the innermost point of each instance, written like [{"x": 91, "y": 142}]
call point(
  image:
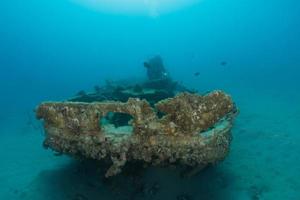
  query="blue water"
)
[{"x": 51, "y": 49}]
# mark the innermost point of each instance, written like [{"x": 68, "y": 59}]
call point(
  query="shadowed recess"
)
[{"x": 117, "y": 123}]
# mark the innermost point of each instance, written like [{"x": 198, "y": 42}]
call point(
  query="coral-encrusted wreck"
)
[{"x": 185, "y": 130}]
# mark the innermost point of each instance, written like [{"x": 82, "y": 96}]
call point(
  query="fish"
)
[
  {"x": 196, "y": 73},
  {"x": 223, "y": 63}
]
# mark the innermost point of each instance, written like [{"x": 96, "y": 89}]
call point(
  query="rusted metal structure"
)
[{"x": 191, "y": 130}]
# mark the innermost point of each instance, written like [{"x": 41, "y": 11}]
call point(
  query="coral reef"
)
[{"x": 194, "y": 130}]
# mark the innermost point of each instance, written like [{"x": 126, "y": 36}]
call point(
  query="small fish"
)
[
  {"x": 223, "y": 63},
  {"x": 197, "y": 74}
]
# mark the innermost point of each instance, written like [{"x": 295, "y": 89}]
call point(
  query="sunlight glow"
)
[{"x": 145, "y": 7}]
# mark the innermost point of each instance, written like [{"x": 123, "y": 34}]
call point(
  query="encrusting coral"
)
[{"x": 194, "y": 130}]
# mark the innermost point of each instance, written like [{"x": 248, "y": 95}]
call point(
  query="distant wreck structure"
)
[{"x": 157, "y": 123}]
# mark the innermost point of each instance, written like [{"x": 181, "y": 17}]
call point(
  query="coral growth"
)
[{"x": 195, "y": 130}]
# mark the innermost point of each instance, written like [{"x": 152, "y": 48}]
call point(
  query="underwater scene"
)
[{"x": 150, "y": 100}]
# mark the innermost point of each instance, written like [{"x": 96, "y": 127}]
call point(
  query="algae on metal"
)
[{"x": 194, "y": 130}]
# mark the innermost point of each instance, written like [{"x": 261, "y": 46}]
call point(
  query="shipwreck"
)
[{"x": 158, "y": 122}]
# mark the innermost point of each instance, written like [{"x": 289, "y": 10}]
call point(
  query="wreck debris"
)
[
  {"x": 158, "y": 86},
  {"x": 195, "y": 130},
  {"x": 158, "y": 122},
  {"x": 155, "y": 69}
]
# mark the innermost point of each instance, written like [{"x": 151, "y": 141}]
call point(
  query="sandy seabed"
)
[{"x": 264, "y": 162}]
